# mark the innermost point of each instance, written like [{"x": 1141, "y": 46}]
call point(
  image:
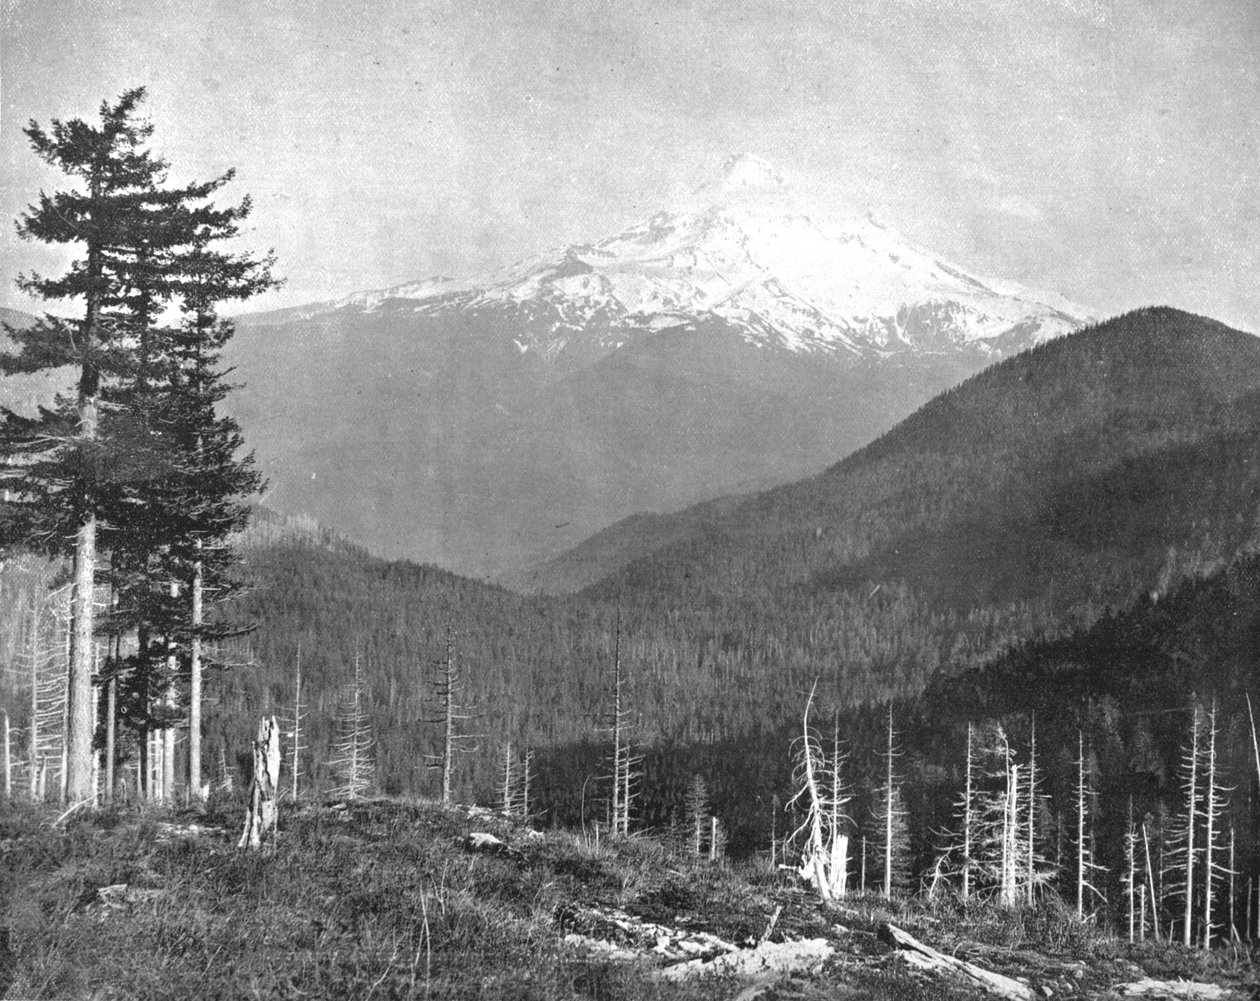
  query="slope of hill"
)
[
  {"x": 387, "y": 898},
  {"x": 1095, "y": 468},
  {"x": 1110, "y": 439},
  {"x": 1123, "y": 688},
  {"x": 735, "y": 342}
]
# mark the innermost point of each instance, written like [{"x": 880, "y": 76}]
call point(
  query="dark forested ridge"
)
[
  {"x": 1033, "y": 441},
  {"x": 1109, "y": 463}
]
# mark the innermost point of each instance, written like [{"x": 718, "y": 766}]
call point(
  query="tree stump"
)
[{"x": 261, "y": 817}]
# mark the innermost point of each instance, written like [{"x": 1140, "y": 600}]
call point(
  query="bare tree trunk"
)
[
  {"x": 1211, "y": 808},
  {"x": 625, "y": 795},
  {"x": 837, "y": 843},
  {"x": 96, "y": 715},
  {"x": 617, "y": 802},
  {"x": 448, "y": 742},
  {"x": 1233, "y": 927},
  {"x": 144, "y": 767},
  {"x": 1030, "y": 860},
  {"x": 1080, "y": 827},
  {"x": 32, "y": 735},
  {"x": 78, "y": 740},
  {"x": 1150, "y": 884},
  {"x": 111, "y": 724},
  {"x": 507, "y": 780},
  {"x": 1191, "y": 809},
  {"x": 194, "y": 685},
  {"x": 1255, "y": 742},
  {"x": 294, "y": 768},
  {"x": 814, "y": 853},
  {"x": 168, "y": 703},
  {"x": 261, "y": 817},
  {"x": 225, "y": 776},
  {"x": 526, "y": 778},
  {"x": 1010, "y": 836},
  {"x": 888, "y": 811},
  {"x": 1130, "y": 862},
  {"x": 8, "y": 761},
  {"x": 63, "y": 773},
  {"x": 968, "y": 795}
]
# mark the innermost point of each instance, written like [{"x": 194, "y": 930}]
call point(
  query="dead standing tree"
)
[
  {"x": 1214, "y": 804},
  {"x": 820, "y": 795},
  {"x": 293, "y": 728},
  {"x": 517, "y": 776},
  {"x": 892, "y": 817},
  {"x": 352, "y": 753},
  {"x": 1085, "y": 864},
  {"x": 959, "y": 854},
  {"x": 806, "y": 778},
  {"x": 615, "y": 724},
  {"x": 43, "y": 657},
  {"x": 448, "y": 685},
  {"x": 1183, "y": 853}
]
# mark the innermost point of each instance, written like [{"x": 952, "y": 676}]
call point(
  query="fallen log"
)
[
  {"x": 927, "y": 958},
  {"x": 1172, "y": 990},
  {"x": 769, "y": 959}
]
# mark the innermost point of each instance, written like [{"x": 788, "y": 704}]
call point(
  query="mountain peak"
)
[{"x": 744, "y": 172}]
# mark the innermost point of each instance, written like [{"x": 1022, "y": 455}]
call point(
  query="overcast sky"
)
[{"x": 1105, "y": 150}]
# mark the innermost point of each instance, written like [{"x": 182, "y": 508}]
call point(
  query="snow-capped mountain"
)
[
  {"x": 746, "y": 252},
  {"x": 736, "y": 341}
]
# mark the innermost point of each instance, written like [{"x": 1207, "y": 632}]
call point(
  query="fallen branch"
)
[
  {"x": 74, "y": 808},
  {"x": 927, "y": 958},
  {"x": 774, "y": 920}
]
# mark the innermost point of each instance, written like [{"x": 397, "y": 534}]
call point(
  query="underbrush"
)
[
  {"x": 377, "y": 900},
  {"x": 382, "y": 899}
]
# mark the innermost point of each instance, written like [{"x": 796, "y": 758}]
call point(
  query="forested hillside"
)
[
  {"x": 1028, "y": 447},
  {"x": 1067, "y": 535},
  {"x": 537, "y": 669},
  {"x": 1110, "y": 463}
]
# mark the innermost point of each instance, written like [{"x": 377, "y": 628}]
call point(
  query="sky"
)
[{"x": 1109, "y": 151}]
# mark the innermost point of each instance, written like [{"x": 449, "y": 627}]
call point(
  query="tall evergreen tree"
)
[
  {"x": 205, "y": 499},
  {"x": 66, "y": 463}
]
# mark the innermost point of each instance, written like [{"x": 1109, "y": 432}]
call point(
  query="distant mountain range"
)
[{"x": 738, "y": 341}]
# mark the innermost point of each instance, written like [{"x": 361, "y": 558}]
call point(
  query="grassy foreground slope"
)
[{"x": 382, "y": 899}]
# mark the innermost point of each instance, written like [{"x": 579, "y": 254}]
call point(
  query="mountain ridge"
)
[
  {"x": 1093, "y": 388},
  {"x": 489, "y": 424}
]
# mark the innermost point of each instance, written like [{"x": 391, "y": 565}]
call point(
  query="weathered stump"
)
[{"x": 261, "y": 817}]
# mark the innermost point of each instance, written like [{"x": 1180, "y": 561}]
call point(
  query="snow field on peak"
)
[{"x": 747, "y": 253}]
